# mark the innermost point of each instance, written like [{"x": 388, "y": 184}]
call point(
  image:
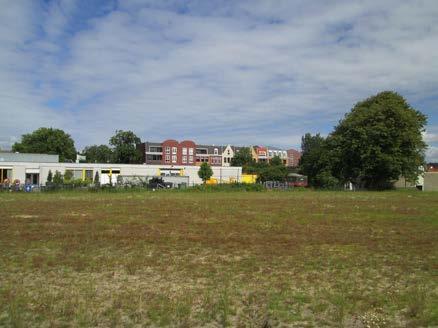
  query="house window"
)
[
  {"x": 89, "y": 174},
  {"x": 167, "y": 158},
  {"x": 173, "y": 158},
  {"x": 228, "y": 152},
  {"x": 173, "y": 150},
  {"x": 168, "y": 150},
  {"x": 184, "y": 151},
  {"x": 5, "y": 174},
  {"x": 190, "y": 151},
  {"x": 191, "y": 159},
  {"x": 155, "y": 157},
  {"x": 184, "y": 159},
  {"x": 155, "y": 149},
  {"x": 215, "y": 151}
]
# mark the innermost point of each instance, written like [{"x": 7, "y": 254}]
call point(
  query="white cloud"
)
[
  {"x": 432, "y": 154},
  {"x": 242, "y": 72}
]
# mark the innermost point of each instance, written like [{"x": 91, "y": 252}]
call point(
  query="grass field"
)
[{"x": 249, "y": 259}]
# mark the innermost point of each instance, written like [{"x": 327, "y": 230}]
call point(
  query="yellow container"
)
[{"x": 249, "y": 178}]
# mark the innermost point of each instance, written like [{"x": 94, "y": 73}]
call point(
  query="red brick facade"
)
[
  {"x": 293, "y": 157},
  {"x": 188, "y": 152},
  {"x": 179, "y": 153}
]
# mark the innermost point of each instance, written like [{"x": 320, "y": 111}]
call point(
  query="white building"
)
[
  {"x": 227, "y": 156},
  {"x": 36, "y": 172}
]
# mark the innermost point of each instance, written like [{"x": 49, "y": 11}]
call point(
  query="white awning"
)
[{"x": 32, "y": 170}]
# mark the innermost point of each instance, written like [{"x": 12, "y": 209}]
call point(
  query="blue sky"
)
[{"x": 242, "y": 72}]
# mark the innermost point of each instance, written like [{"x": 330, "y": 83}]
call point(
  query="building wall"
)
[
  {"x": 293, "y": 157},
  {"x": 282, "y": 154},
  {"x": 174, "y": 155},
  {"x": 187, "y": 154},
  {"x": 222, "y": 174},
  {"x": 215, "y": 160},
  {"x": 170, "y": 152},
  {"x": 227, "y": 156},
  {"x": 152, "y": 157},
  {"x": 403, "y": 183},
  {"x": 430, "y": 181}
]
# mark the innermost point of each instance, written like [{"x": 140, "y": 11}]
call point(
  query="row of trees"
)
[
  {"x": 272, "y": 171},
  {"x": 376, "y": 143},
  {"x": 68, "y": 178},
  {"x": 122, "y": 146}
]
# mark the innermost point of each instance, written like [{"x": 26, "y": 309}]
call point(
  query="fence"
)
[{"x": 277, "y": 185}]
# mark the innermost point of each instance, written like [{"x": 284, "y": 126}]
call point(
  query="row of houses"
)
[{"x": 187, "y": 152}]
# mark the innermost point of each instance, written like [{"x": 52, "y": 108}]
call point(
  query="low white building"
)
[{"x": 36, "y": 172}]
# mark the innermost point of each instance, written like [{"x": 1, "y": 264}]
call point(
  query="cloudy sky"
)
[{"x": 242, "y": 72}]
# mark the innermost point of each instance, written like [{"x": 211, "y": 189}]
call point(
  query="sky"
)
[{"x": 240, "y": 72}]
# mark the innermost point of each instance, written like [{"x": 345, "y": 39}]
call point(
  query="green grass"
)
[{"x": 193, "y": 258}]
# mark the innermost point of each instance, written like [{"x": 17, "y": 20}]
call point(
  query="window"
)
[
  {"x": 155, "y": 149},
  {"x": 184, "y": 151},
  {"x": 89, "y": 174},
  {"x": 190, "y": 151},
  {"x": 112, "y": 171},
  {"x": 173, "y": 150},
  {"x": 215, "y": 151},
  {"x": 167, "y": 150},
  {"x": 184, "y": 159},
  {"x": 201, "y": 151},
  {"x": 191, "y": 159},
  {"x": 5, "y": 174},
  {"x": 32, "y": 178},
  {"x": 173, "y": 158},
  {"x": 155, "y": 157},
  {"x": 167, "y": 158},
  {"x": 228, "y": 152}
]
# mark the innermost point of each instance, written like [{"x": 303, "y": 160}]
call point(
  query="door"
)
[{"x": 33, "y": 178}]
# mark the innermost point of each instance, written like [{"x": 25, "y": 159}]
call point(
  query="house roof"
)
[{"x": 211, "y": 148}]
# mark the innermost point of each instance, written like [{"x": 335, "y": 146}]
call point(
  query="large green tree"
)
[
  {"x": 125, "y": 147},
  {"x": 379, "y": 141},
  {"x": 317, "y": 161},
  {"x": 98, "y": 154},
  {"x": 47, "y": 141},
  {"x": 242, "y": 158}
]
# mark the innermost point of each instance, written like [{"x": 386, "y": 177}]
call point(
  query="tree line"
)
[
  {"x": 376, "y": 143},
  {"x": 122, "y": 148}
]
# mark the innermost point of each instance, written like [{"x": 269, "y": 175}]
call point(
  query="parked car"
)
[
  {"x": 159, "y": 183},
  {"x": 296, "y": 180}
]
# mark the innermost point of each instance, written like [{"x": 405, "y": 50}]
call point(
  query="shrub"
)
[{"x": 57, "y": 178}]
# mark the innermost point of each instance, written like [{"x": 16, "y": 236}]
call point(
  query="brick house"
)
[{"x": 293, "y": 157}]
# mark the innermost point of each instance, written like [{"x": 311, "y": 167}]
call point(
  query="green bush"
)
[{"x": 57, "y": 178}]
